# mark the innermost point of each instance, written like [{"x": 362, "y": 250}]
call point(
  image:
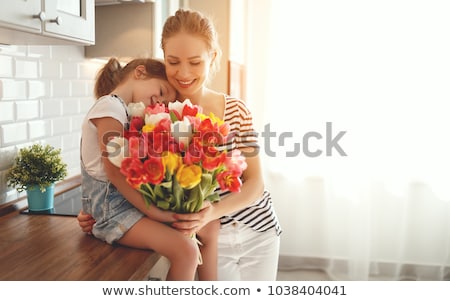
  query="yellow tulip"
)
[
  {"x": 148, "y": 128},
  {"x": 171, "y": 161},
  {"x": 189, "y": 176},
  {"x": 214, "y": 118}
]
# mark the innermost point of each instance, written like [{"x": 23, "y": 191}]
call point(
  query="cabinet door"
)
[
  {"x": 70, "y": 19},
  {"x": 18, "y": 14},
  {"x": 124, "y": 30}
]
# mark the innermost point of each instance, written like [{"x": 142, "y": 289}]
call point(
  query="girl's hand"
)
[
  {"x": 85, "y": 221},
  {"x": 191, "y": 223},
  {"x": 159, "y": 215}
]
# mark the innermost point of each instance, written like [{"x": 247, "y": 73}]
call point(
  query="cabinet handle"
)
[
  {"x": 41, "y": 16},
  {"x": 57, "y": 20}
]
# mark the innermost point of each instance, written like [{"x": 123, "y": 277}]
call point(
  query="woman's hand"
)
[
  {"x": 191, "y": 223},
  {"x": 85, "y": 221}
]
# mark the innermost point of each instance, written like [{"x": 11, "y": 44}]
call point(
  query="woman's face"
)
[
  {"x": 153, "y": 90},
  {"x": 188, "y": 61}
]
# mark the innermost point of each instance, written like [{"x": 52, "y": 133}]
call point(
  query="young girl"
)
[{"x": 119, "y": 210}]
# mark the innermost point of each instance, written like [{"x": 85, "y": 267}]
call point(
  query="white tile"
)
[
  {"x": 61, "y": 88},
  {"x": 37, "y": 88},
  {"x": 67, "y": 53},
  {"x": 79, "y": 88},
  {"x": 72, "y": 159},
  {"x": 70, "y": 106},
  {"x": 7, "y": 155},
  {"x": 13, "y": 133},
  {"x": 6, "y": 66},
  {"x": 12, "y": 89},
  {"x": 89, "y": 69},
  {"x": 26, "y": 68},
  {"x": 50, "y": 108},
  {"x": 54, "y": 141},
  {"x": 86, "y": 104},
  {"x": 71, "y": 141},
  {"x": 12, "y": 194},
  {"x": 69, "y": 70},
  {"x": 61, "y": 126},
  {"x": 50, "y": 69},
  {"x": 14, "y": 50},
  {"x": 39, "y": 51},
  {"x": 77, "y": 121},
  {"x": 26, "y": 110},
  {"x": 90, "y": 89},
  {"x": 7, "y": 110},
  {"x": 39, "y": 129}
]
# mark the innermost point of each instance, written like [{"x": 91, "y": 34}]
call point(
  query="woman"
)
[{"x": 249, "y": 236}]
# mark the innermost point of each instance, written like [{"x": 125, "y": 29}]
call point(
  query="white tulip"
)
[
  {"x": 153, "y": 119},
  {"x": 178, "y": 106},
  {"x": 136, "y": 109},
  {"x": 182, "y": 131}
]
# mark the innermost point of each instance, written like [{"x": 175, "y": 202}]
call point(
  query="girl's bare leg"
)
[
  {"x": 208, "y": 236},
  {"x": 178, "y": 248}
]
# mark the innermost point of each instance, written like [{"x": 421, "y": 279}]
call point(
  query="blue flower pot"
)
[{"x": 38, "y": 200}]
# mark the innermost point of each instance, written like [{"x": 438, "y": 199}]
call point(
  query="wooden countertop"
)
[{"x": 50, "y": 247}]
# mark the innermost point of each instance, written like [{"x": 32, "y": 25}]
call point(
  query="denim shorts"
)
[{"x": 114, "y": 215}]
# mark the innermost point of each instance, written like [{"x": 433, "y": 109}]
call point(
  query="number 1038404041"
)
[{"x": 305, "y": 290}]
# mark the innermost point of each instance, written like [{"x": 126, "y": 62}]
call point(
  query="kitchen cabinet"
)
[
  {"x": 37, "y": 22},
  {"x": 123, "y": 30},
  {"x": 130, "y": 29}
]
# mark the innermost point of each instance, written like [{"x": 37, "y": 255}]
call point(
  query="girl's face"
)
[
  {"x": 188, "y": 61},
  {"x": 153, "y": 90}
]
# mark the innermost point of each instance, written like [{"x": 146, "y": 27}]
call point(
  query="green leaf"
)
[
  {"x": 147, "y": 193},
  {"x": 167, "y": 184},
  {"x": 147, "y": 190},
  {"x": 163, "y": 205},
  {"x": 178, "y": 195},
  {"x": 159, "y": 193},
  {"x": 206, "y": 180},
  {"x": 195, "y": 200},
  {"x": 173, "y": 117},
  {"x": 213, "y": 197}
]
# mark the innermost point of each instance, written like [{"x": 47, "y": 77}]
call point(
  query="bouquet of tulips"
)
[{"x": 176, "y": 156}]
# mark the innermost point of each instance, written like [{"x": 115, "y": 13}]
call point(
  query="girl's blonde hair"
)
[
  {"x": 113, "y": 73},
  {"x": 193, "y": 22}
]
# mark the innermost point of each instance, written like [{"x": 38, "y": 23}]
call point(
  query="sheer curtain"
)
[{"x": 351, "y": 100}]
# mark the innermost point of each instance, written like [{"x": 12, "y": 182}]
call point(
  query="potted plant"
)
[{"x": 36, "y": 169}]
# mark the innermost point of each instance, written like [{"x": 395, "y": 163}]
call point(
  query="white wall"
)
[{"x": 45, "y": 91}]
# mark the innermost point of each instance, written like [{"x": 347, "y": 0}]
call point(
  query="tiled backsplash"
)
[{"x": 45, "y": 91}]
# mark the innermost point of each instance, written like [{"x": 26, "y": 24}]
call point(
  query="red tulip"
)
[{"x": 154, "y": 169}]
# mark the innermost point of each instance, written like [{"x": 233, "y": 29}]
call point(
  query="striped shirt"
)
[{"x": 260, "y": 215}]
